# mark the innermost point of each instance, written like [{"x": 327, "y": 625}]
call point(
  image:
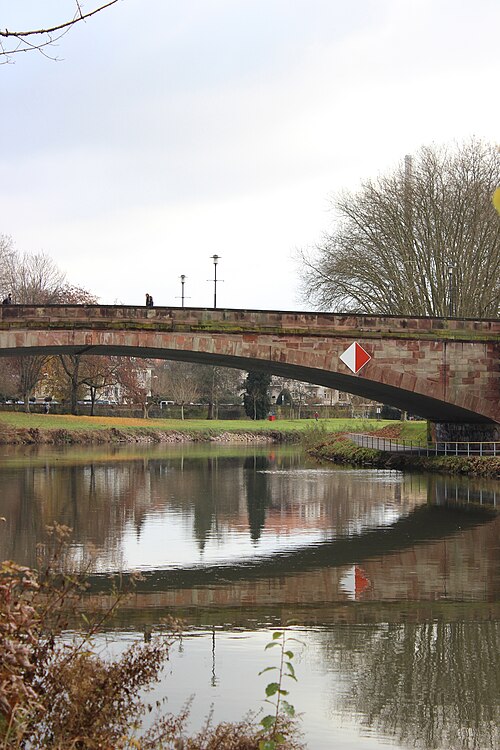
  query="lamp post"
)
[
  {"x": 183, "y": 279},
  {"x": 215, "y": 259}
]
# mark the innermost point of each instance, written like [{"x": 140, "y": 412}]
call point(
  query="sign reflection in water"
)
[{"x": 395, "y": 594}]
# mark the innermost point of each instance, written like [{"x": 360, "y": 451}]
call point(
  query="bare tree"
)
[
  {"x": 216, "y": 383},
  {"x": 19, "y": 376},
  {"x": 34, "y": 279},
  {"x": 94, "y": 372},
  {"x": 69, "y": 294},
  {"x": 70, "y": 364},
  {"x": 423, "y": 240},
  {"x": 181, "y": 383},
  {"x": 30, "y": 371},
  {"x": 9, "y": 385},
  {"x": 39, "y": 39},
  {"x": 100, "y": 373},
  {"x": 7, "y": 255},
  {"x": 134, "y": 378}
]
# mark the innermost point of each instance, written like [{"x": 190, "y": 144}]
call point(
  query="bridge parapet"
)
[{"x": 255, "y": 321}]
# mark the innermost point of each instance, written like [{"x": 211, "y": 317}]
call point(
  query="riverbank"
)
[
  {"x": 32, "y": 429},
  {"x": 324, "y": 439},
  {"x": 339, "y": 449},
  {"x": 114, "y": 435}
]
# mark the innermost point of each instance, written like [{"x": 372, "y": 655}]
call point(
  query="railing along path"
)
[{"x": 441, "y": 448}]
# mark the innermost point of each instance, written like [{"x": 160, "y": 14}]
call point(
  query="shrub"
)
[{"x": 57, "y": 692}]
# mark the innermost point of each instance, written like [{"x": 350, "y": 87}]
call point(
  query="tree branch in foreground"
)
[{"x": 38, "y": 39}]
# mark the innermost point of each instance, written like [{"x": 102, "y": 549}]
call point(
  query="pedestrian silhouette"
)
[{"x": 7, "y": 300}]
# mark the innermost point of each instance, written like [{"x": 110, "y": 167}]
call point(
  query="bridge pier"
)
[{"x": 482, "y": 432}]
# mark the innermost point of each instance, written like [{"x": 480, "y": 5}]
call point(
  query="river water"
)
[{"x": 389, "y": 581}]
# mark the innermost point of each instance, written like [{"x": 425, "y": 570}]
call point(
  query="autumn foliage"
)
[{"x": 58, "y": 692}]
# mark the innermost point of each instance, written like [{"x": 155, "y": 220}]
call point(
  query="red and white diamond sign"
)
[{"x": 355, "y": 357}]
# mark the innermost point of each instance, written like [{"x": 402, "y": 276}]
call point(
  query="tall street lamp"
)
[
  {"x": 183, "y": 279},
  {"x": 215, "y": 259}
]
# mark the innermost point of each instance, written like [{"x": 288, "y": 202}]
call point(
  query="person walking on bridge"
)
[{"x": 8, "y": 300}]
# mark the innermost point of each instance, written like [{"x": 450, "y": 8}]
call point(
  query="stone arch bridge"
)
[{"x": 446, "y": 370}]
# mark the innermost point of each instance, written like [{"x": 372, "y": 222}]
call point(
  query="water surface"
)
[{"x": 392, "y": 580}]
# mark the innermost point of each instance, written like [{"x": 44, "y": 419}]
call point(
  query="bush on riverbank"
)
[
  {"x": 339, "y": 449},
  {"x": 61, "y": 694}
]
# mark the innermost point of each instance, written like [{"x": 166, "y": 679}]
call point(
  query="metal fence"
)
[{"x": 444, "y": 448}]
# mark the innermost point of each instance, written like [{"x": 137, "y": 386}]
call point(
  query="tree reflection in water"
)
[
  {"x": 428, "y": 685},
  {"x": 258, "y": 493}
]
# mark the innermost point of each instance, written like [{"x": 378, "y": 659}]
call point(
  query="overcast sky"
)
[{"x": 170, "y": 131}]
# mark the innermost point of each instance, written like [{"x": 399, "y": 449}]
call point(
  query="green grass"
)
[
  {"x": 68, "y": 422},
  {"x": 414, "y": 431}
]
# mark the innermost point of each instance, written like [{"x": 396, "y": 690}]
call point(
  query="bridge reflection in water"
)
[
  {"x": 229, "y": 528},
  {"x": 246, "y": 539}
]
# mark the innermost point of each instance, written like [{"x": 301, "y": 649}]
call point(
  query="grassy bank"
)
[
  {"x": 339, "y": 449},
  {"x": 18, "y": 427},
  {"x": 324, "y": 439}
]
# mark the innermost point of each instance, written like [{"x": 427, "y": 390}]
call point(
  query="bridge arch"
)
[{"x": 446, "y": 371}]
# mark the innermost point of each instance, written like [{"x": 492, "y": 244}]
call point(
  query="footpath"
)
[{"x": 378, "y": 451}]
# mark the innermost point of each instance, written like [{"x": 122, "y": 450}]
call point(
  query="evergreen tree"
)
[{"x": 256, "y": 399}]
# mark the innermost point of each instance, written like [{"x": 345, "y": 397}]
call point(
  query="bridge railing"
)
[{"x": 441, "y": 448}]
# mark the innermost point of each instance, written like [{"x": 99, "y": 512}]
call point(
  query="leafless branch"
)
[{"x": 39, "y": 39}]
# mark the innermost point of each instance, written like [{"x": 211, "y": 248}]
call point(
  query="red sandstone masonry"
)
[{"x": 424, "y": 356}]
